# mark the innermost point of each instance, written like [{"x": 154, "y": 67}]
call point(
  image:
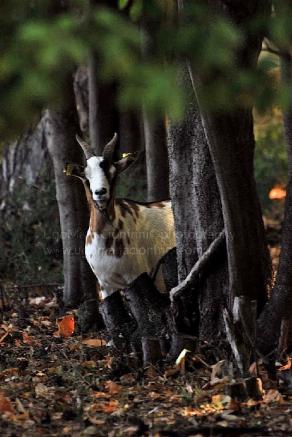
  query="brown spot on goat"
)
[
  {"x": 109, "y": 245},
  {"x": 88, "y": 240},
  {"x": 119, "y": 247},
  {"x": 109, "y": 242}
]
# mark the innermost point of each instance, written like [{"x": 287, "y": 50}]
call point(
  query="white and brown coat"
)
[{"x": 125, "y": 238}]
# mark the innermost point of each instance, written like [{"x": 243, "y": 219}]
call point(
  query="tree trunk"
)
[
  {"x": 280, "y": 304},
  {"x": 231, "y": 142},
  {"x": 60, "y": 130},
  {"x": 154, "y": 129},
  {"x": 94, "y": 134},
  {"x": 197, "y": 211},
  {"x": 156, "y": 159}
]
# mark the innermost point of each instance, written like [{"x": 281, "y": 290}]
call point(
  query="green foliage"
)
[{"x": 42, "y": 42}]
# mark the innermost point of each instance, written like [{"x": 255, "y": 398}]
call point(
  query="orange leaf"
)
[
  {"x": 94, "y": 342},
  {"x": 110, "y": 407},
  {"x": 112, "y": 387},
  {"x": 26, "y": 338},
  {"x": 11, "y": 371},
  {"x": 66, "y": 326},
  {"x": 5, "y": 404},
  {"x": 273, "y": 395}
]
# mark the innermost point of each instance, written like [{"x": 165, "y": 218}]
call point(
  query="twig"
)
[{"x": 198, "y": 267}]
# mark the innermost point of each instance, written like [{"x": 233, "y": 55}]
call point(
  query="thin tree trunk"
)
[
  {"x": 94, "y": 135},
  {"x": 60, "y": 130},
  {"x": 156, "y": 159},
  {"x": 154, "y": 129}
]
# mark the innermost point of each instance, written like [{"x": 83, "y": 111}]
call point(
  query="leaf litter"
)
[{"x": 55, "y": 382}]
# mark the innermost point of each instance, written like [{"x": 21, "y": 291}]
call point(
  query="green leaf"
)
[{"x": 123, "y": 4}]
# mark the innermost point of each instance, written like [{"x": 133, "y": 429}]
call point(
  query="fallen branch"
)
[{"x": 198, "y": 268}]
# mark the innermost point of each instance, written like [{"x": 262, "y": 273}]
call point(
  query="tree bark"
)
[
  {"x": 60, "y": 130},
  {"x": 231, "y": 142},
  {"x": 154, "y": 129},
  {"x": 156, "y": 159},
  {"x": 198, "y": 218},
  {"x": 94, "y": 135}
]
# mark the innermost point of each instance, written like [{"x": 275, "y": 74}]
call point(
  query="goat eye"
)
[{"x": 103, "y": 165}]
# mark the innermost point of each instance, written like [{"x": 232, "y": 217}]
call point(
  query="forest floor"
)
[{"x": 55, "y": 382}]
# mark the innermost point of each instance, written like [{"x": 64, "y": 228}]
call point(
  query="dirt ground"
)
[{"x": 54, "y": 382}]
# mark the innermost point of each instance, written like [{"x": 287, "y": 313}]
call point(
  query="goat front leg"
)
[
  {"x": 150, "y": 310},
  {"x": 118, "y": 320}
]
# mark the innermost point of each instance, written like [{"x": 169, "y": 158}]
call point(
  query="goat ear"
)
[
  {"x": 124, "y": 163},
  {"x": 75, "y": 170}
]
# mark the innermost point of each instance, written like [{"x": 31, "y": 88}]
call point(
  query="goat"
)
[{"x": 125, "y": 238}]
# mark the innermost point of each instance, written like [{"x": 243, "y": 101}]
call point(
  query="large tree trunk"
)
[
  {"x": 60, "y": 130},
  {"x": 280, "y": 305},
  {"x": 231, "y": 141},
  {"x": 197, "y": 211}
]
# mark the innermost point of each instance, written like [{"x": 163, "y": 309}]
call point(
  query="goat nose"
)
[{"x": 100, "y": 192}]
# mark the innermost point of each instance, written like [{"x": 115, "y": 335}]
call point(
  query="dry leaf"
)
[
  {"x": 110, "y": 407},
  {"x": 112, "y": 387},
  {"x": 128, "y": 378},
  {"x": 26, "y": 338},
  {"x": 221, "y": 401},
  {"x": 272, "y": 395},
  {"x": 6, "y": 373},
  {"x": 41, "y": 390},
  {"x": 150, "y": 372},
  {"x": 5, "y": 404},
  {"x": 94, "y": 342},
  {"x": 287, "y": 366},
  {"x": 66, "y": 326},
  {"x": 101, "y": 395}
]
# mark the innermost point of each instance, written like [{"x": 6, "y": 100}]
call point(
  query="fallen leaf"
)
[
  {"x": 5, "y": 404},
  {"x": 26, "y": 338},
  {"x": 221, "y": 401},
  {"x": 109, "y": 407},
  {"x": 271, "y": 396},
  {"x": 12, "y": 371},
  {"x": 41, "y": 390},
  {"x": 287, "y": 366},
  {"x": 94, "y": 342},
  {"x": 66, "y": 326},
  {"x": 150, "y": 372},
  {"x": 112, "y": 387},
  {"x": 128, "y": 378},
  {"x": 101, "y": 395}
]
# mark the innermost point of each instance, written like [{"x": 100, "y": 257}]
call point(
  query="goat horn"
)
[
  {"x": 109, "y": 148},
  {"x": 85, "y": 147}
]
